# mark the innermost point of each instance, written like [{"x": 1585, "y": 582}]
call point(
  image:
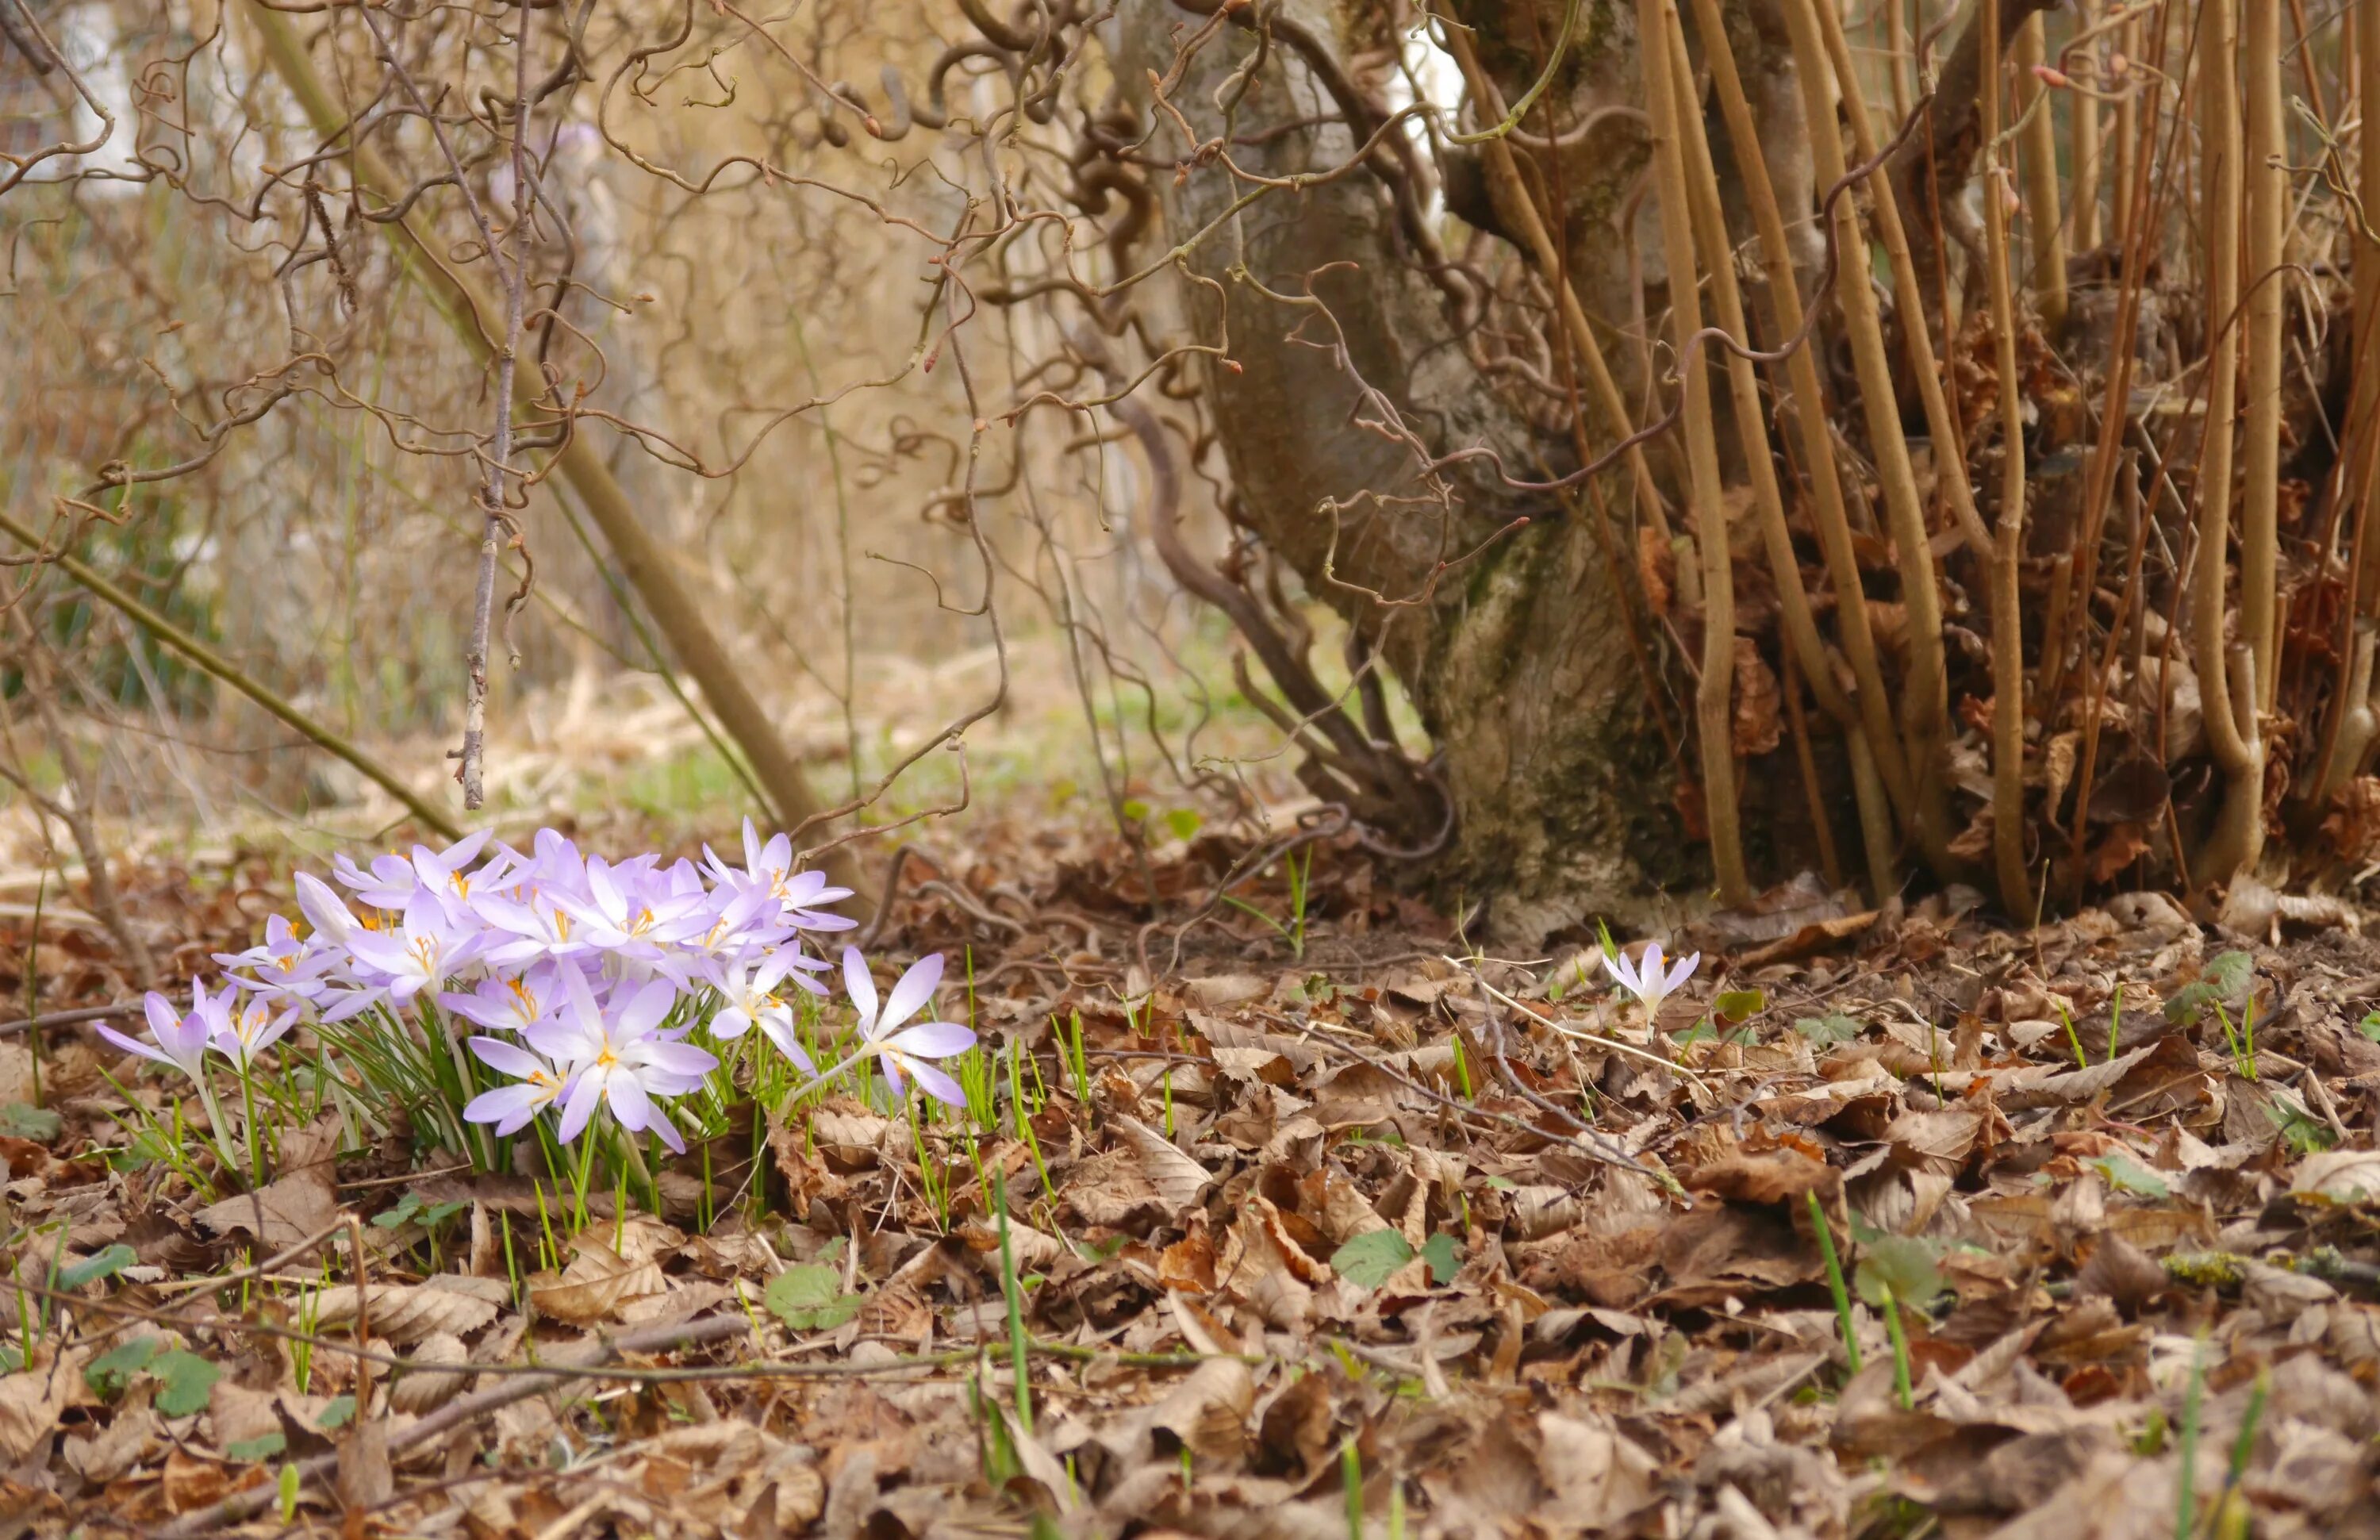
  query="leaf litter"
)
[{"x": 1379, "y": 1239}]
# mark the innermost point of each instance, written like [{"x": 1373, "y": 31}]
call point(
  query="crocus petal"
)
[
  {"x": 932, "y": 1040},
  {"x": 163, "y": 1017},
  {"x": 681, "y": 1059},
  {"x": 648, "y": 1007},
  {"x": 781, "y": 1033},
  {"x": 916, "y": 988},
  {"x": 502, "y": 1105},
  {"x": 629, "y": 1103},
  {"x": 131, "y": 1045},
  {"x": 935, "y": 1083},
  {"x": 858, "y": 984},
  {"x": 666, "y": 1131},
  {"x": 732, "y": 1022},
  {"x": 1684, "y": 970},
  {"x": 586, "y": 1091},
  {"x": 507, "y": 1057},
  {"x": 1622, "y": 970}
]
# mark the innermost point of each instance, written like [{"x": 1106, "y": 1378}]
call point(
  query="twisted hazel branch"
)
[
  {"x": 1713, "y": 693},
  {"x": 212, "y": 663},
  {"x": 2007, "y": 639},
  {"x": 641, "y": 560}
]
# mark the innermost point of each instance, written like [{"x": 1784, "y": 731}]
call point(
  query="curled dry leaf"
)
[
  {"x": 32, "y": 1398},
  {"x": 447, "y": 1304},
  {"x": 419, "y": 1387},
  {"x": 1178, "y": 1180}
]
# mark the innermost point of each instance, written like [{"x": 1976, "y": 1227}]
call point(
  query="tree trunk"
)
[{"x": 1526, "y": 650}]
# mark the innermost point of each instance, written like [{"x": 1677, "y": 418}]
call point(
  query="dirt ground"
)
[{"x": 1329, "y": 1225}]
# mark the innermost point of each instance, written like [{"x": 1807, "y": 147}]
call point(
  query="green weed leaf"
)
[
  {"x": 99, "y": 1264},
  {"x": 109, "y": 1373},
  {"x": 809, "y": 1297},
  {"x": 1369, "y": 1259},
  {"x": 1904, "y": 1265},
  {"x": 1827, "y": 1030},
  {"x": 184, "y": 1382}
]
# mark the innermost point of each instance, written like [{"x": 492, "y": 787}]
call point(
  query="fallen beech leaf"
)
[
  {"x": 280, "y": 1214},
  {"x": 404, "y": 1314},
  {"x": 32, "y": 1399},
  {"x": 1811, "y": 938},
  {"x": 1772, "y": 1176},
  {"x": 2343, "y": 1175},
  {"x": 1178, "y": 1180}
]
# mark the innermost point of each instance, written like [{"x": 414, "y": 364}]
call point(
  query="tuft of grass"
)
[
  {"x": 2185, "y": 1519},
  {"x": 1899, "y": 1335},
  {"x": 1299, "y": 870},
  {"x": 2074, "y": 1038},
  {"x": 1019, "y": 1356},
  {"x": 1351, "y": 1478},
  {"x": 1835, "y": 1284},
  {"x": 1078, "y": 1063},
  {"x": 2242, "y": 1042}
]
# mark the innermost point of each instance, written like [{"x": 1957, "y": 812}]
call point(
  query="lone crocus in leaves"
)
[
  {"x": 179, "y": 1040},
  {"x": 1646, "y": 979},
  {"x": 906, "y": 1053}
]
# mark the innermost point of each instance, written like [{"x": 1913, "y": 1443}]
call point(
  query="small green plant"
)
[
  {"x": 1898, "y": 1272},
  {"x": 2243, "y": 1042},
  {"x": 1351, "y": 1478},
  {"x": 2224, "y": 981},
  {"x": 1078, "y": 1060},
  {"x": 1298, "y": 868},
  {"x": 1827, "y": 1030},
  {"x": 2304, "y": 1134},
  {"x": 1835, "y": 1285},
  {"x": 2127, "y": 1175},
  {"x": 1019, "y": 1351},
  {"x": 2185, "y": 1519},
  {"x": 2230, "y": 1509},
  {"x": 2074, "y": 1038},
  {"x": 2115, "y": 1021},
  {"x": 808, "y": 1296},
  {"x": 1021, "y": 1113}
]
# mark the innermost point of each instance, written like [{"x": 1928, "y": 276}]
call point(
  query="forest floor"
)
[{"x": 1327, "y": 1225}]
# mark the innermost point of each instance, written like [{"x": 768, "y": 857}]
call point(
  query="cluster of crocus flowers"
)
[{"x": 592, "y": 985}]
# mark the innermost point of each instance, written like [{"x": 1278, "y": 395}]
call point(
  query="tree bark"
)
[
  {"x": 1517, "y": 659},
  {"x": 1347, "y": 375}
]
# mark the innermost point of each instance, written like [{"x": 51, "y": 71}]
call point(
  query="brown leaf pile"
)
[{"x": 1474, "y": 1247}]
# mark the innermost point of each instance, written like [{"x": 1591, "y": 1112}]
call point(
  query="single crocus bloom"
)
[
  {"x": 247, "y": 1031},
  {"x": 180, "y": 1041},
  {"x": 1646, "y": 980},
  {"x": 420, "y": 953},
  {"x": 618, "y": 1056},
  {"x": 536, "y": 1085},
  {"x": 750, "y": 989},
  {"x": 906, "y": 1052}
]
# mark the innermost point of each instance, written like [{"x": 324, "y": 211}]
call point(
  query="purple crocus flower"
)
[
  {"x": 632, "y": 910},
  {"x": 180, "y": 1041},
  {"x": 281, "y": 965},
  {"x": 536, "y": 1085},
  {"x": 1645, "y": 980},
  {"x": 768, "y": 868},
  {"x": 509, "y": 1003},
  {"x": 421, "y": 952},
  {"x": 251, "y": 1029},
  {"x": 906, "y": 1052},
  {"x": 750, "y": 989},
  {"x": 618, "y": 1056},
  {"x": 332, "y": 921}
]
